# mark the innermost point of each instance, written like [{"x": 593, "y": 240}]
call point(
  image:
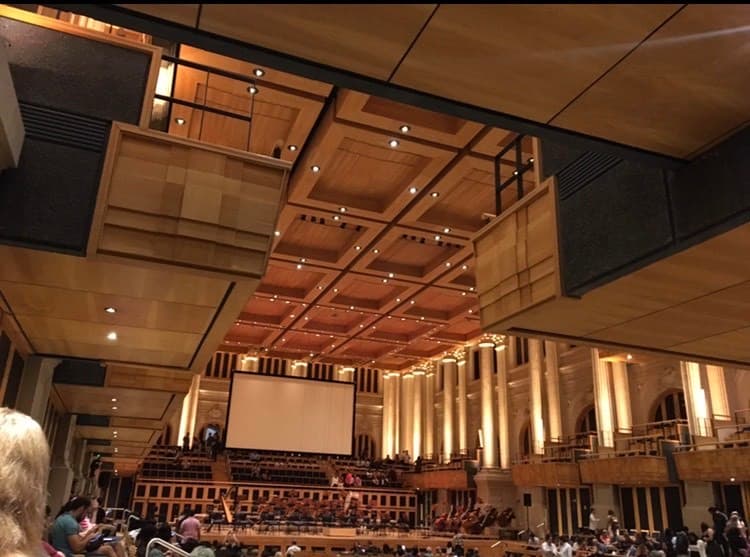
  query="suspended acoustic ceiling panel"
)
[{"x": 185, "y": 204}]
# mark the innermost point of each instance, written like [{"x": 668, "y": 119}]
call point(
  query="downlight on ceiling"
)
[
  {"x": 405, "y": 128},
  {"x": 315, "y": 168},
  {"x": 110, "y": 309},
  {"x": 393, "y": 143},
  {"x": 112, "y": 335},
  {"x": 292, "y": 147},
  {"x": 259, "y": 72}
]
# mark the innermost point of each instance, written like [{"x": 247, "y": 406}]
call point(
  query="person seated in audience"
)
[
  {"x": 202, "y": 551},
  {"x": 190, "y": 530},
  {"x": 66, "y": 535},
  {"x": 24, "y": 468}
]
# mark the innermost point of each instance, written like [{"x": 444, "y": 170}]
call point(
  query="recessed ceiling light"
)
[
  {"x": 312, "y": 355},
  {"x": 376, "y": 251},
  {"x": 252, "y": 90},
  {"x": 447, "y": 263},
  {"x": 320, "y": 288},
  {"x": 179, "y": 121},
  {"x": 361, "y": 326},
  {"x": 299, "y": 265},
  {"x": 110, "y": 309},
  {"x": 446, "y": 230},
  {"x": 393, "y": 143},
  {"x": 114, "y": 400},
  {"x": 437, "y": 238},
  {"x": 385, "y": 280},
  {"x": 421, "y": 318},
  {"x": 629, "y": 356},
  {"x": 302, "y": 260},
  {"x": 315, "y": 168},
  {"x": 335, "y": 290},
  {"x": 357, "y": 248},
  {"x": 405, "y": 128},
  {"x": 307, "y": 318},
  {"x": 471, "y": 289},
  {"x": 277, "y": 233},
  {"x": 412, "y": 302},
  {"x": 292, "y": 147},
  {"x": 287, "y": 302},
  {"x": 351, "y": 307},
  {"x": 413, "y": 190},
  {"x": 470, "y": 311},
  {"x": 464, "y": 267},
  {"x": 114, "y": 408},
  {"x": 283, "y": 340},
  {"x": 116, "y": 449},
  {"x": 112, "y": 336},
  {"x": 463, "y": 293},
  {"x": 259, "y": 72},
  {"x": 336, "y": 217},
  {"x": 531, "y": 160},
  {"x": 291, "y": 316},
  {"x": 342, "y": 209},
  {"x": 434, "y": 194},
  {"x": 114, "y": 432}
]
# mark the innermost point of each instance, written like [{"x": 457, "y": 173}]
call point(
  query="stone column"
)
[
  {"x": 449, "y": 399},
  {"x": 429, "y": 415},
  {"x": 622, "y": 397},
  {"x": 717, "y": 388},
  {"x": 462, "y": 369},
  {"x": 347, "y": 373},
  {"x": 503, "y": 412},
  {"x": 249, "y": 363},
  {"x": 535, "y": 396},
  {"x": 554, "y": 420},
  {"x": 407, "y": 412},
  {"x": 300, "y": 370},
  {"x": 35, "y": 386},
  {"x": 696, "y": 402},
  {"x": 603, "y": 401},
  {"x": 486, "y": 365},
  {"x": 190, "y": 410},
  {"x": 61, "y": 470},
  {"x": 396, "y": 413},
  {"x": 418, "y": 393},
  {"x": 386, "y": 433}
]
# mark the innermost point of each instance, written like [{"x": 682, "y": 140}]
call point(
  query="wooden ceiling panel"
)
[
  {"x": 363, "y": 38},
  {"x": 460, "y": 330},
  {"x": 463, "y": 196},
  {"x": 286, "y": 280},
  {"x": 682, "y": 89},
  {"x": 548, "y": 53},
  {"x": 78, "y": 305},
  {"x": 80, "y": 399},
  {"x": 266, "y": 310},
  {"x": 423, "y": 349},
  {"x": 249, "y": 335},
  {"x": 333, "y": 320},
  {"x": 299, "y": 341},
  {"x": 184, "y": 14},
  {"x": 461, "y": 277},
  {"x": 390, "y": 116},
  {"x": 127, "y": 434},
  {"x": 361, "y": 172},
  {"x": 497, "y": 139},
  {"x": 365, "y": 349},
  {"x": 438, "y": 304},
  {"x": 396, "y": 329},
  {"x": 319, "y": 238},
  {"x": 360, "y": 292}
]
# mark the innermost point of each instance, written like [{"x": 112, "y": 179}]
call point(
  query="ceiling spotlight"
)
[
  {"x": 413, "y": 190},
  {"x": 412, "y": 302},
  {"x": 252, "y": 90},
  {"x": 464, "y": 267},
  {"x": 351, "y": 307},
  {"x": 320, "y": 288},
  {"x": 336, "y": 217},
  {"x": 283, "y": 340},
  {"x": 335, "y": 290},
  {"x": 361, "y": 326},
  {"x": 463, "y": 293},
  {"x": 116, "y": 449},
  {"x": 292, "y": 147},
  {"x": 531, "y": 160},
  {"x": 398, "y": 299},
  {"x": 376, "y": 251},
  {"x": 447, "y": 263},
  {"x": 307, "y": 319},
  {"x": 385, "y": 280},
  {"x": 110, "y": 309},
  {"x": 437, "y": 238},
  {"x": 291, "y": 316},
  {"x": 342, "y": 209},
  {"x": 446, "y": 230},
  {"x": 470, "y": 311},
  {"x": 629, "y": 356},
  {"x": 114, "y": 432},
  {"x": 112, "y": 336},
  {"x": 471, "y": 289},
  {"x": 179, "y": 121},
  {"x": 393, "y": 143},
  {"x": 405, "y": 128},
  {"x": 114, "y": 400},
  {"x": 434, "y": 194},
  {"x": 259, "y": 72},
  {"x": 312, "y": 355},
  {"x": 302, "y": 260},
  {"x": 299, "y": 266},
  {"x": 390, "y": 275},
  {"x": 315, "y": 168},
  {"x": 114, "y": 408},
  {"x": 277, "y": 233}
]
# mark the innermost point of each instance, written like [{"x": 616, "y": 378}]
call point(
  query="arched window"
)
[
  {"x": 671, "y": 406},
  {"x": 364, "y": 446},
  {"x": 524, "y": 441},
  {"x": 587, "y": 421}
]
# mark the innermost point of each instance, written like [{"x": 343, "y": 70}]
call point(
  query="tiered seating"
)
[
  {"x": 276, "y": 468},
  {"x": 170, "y": 463}
]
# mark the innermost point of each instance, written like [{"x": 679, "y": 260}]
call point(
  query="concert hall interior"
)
[{"x": 334, "y": 277}]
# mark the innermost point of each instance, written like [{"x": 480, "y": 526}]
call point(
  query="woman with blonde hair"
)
[{"x": 24, "y": 466}]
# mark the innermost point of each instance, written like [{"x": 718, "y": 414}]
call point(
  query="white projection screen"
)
[{"x": 293, "y": 414}]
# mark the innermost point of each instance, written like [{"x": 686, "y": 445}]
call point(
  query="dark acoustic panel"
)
[
  {"x": 557, "y": 156},
  {"x": 4, "y": 352},
  {"x": 713, "y": 189},
  {"x": 92, "y": 420},
  {"x": 48, "y": 201},
  {"x": 80, "y": 372},
  {"x": 615, "y": 221},
  {"x": 75, "y": 74},
  {"x": 14, "y": 381}
]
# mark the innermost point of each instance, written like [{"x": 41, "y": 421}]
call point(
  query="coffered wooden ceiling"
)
[
  {"x": 668, "y": 78},
  {"x": 372, "y": 261}
]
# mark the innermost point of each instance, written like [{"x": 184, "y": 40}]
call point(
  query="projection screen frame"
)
[{"x": 353, "y": 385}]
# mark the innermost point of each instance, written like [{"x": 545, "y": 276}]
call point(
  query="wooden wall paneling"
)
[
  {"x": 630, "y": 470},
  {"x": 705, "y": 464},
  {"x": 181, "y": 203},
  {"x": 546, "y": 474},
  {"x": 437, "y": 479}
]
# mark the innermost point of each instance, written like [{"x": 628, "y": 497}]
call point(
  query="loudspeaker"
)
[{"x": 527, "y": 499}]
